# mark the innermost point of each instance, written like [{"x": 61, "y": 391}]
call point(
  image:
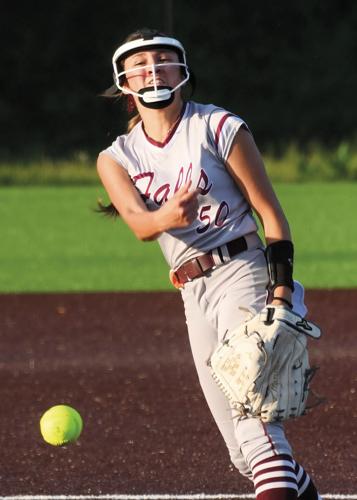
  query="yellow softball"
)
[{"x": 61, "y": 425}]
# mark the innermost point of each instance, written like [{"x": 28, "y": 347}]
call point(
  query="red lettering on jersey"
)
[
  {"x": 222, "y": 214},
  {"x": 179, "y": 180},
  {"x": 203, "y": 181},
  {"x": 162, "y": 194},
  {"x": 204, "y": 217},
  {"x": 189, "y": 173},
  {"x": 150, "y": 175}
]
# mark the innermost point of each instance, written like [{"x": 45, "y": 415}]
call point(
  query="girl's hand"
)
[{"x": 180, "y": 210}]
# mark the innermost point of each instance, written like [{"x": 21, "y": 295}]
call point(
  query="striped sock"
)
[
  {"x": 306, "y": 488},
  {"x": 275, "y": 478}
]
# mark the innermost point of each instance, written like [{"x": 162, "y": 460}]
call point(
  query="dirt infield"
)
[{"x": 123, "y": 360}]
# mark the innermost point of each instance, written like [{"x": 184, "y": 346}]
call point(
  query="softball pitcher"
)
[{"x": 189, "y": 175}]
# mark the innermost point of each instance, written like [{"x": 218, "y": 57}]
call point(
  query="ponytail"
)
[{"x": 107, "y": 210}]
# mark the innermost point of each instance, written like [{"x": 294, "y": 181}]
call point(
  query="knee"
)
[
  {"x": 240, "y": 464},
  {"x": 260, "y": 441}
]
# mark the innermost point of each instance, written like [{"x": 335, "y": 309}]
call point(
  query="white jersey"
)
[{"x": 195, "y": 150}]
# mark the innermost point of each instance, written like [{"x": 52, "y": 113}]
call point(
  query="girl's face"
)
[{"x": 141, "y": 73}]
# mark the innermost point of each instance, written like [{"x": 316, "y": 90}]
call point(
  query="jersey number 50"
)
[{"x": 206, "y": 216}]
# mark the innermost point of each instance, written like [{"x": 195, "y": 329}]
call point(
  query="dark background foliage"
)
[{"x": 288, "y": 68}]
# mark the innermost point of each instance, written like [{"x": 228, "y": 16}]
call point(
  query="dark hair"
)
[{"x": 114, "y": 93}]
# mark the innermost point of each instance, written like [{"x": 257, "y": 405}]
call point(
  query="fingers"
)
[
  {"x": 188, "y": 202},
  {"x": 183, "y": 189},
  {"x": 182, "y": 209},
  {"x": 191, "y": 195},
  {"x": 185, "y": 194}
]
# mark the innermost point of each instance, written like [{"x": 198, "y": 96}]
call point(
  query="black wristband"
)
[
  {"x": 280, "y": 257},
  {"x": 286, "y": 301}
]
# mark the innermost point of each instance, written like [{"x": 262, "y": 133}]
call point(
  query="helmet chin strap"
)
[{"x": 156, "y": 97}]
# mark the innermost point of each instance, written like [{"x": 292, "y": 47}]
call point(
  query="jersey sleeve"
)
[
  {"x": 222, "y": 128},
  {"x": 115, "y": 151}
]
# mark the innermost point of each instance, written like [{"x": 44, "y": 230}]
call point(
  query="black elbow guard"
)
[{"x": 280, "y": 258}]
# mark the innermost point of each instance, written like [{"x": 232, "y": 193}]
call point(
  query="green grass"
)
[
  {"x": 51, "y": 240},
  {"x": 322, "y": 218},
  {"x": 313, "y": 163},
  {"x": 77, "y": 171}
]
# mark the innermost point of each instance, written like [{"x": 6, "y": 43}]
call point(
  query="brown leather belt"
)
[{"x": 197, "y": 267}]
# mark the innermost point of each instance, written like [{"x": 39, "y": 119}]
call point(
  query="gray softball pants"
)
[{"x": 213, "y": 304}]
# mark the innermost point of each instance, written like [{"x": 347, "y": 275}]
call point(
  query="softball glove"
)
[{"x": 263, "y": 365}]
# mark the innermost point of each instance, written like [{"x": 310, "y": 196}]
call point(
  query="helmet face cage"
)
[{"x": 156, "y": 93}]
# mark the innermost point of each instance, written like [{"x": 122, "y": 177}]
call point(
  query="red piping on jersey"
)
[
  {"x": 170, "y": 134},
  {"x": 220, "y": 126}
]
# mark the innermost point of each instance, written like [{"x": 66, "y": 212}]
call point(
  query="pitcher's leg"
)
[
  {"x": 265, "y": 448},
  {"x": 203, "y": 340},
  {"x": 213, "y": 305},
  {"x": 268, "y": 455},
  {"x": 255, "y": 449}
]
